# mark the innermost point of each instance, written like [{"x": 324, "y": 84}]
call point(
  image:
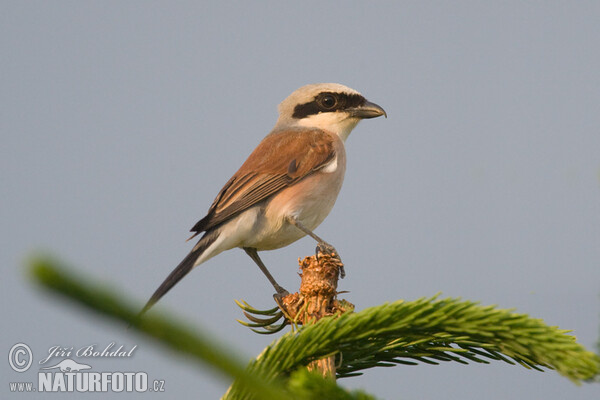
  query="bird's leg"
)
[
  {"x": 281, "y": 292},
  {"x": 322, "y": 246}
]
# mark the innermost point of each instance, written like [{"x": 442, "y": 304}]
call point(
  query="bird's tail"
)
[{"x": 184, "y": 267}]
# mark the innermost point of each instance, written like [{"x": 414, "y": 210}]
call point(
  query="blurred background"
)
[{"x": 120, "y": 122}]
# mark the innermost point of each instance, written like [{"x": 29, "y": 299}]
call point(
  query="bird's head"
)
[{"x": 329, "y": 106}]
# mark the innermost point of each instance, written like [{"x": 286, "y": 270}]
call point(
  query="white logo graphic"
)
[
  {"x": 20, "y": 357},
  {"x": 69, "y": 365}
]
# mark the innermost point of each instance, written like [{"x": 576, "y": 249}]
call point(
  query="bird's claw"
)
[
  {"x": 280, "y": 295},
  {"x": 326, "y": 248}
]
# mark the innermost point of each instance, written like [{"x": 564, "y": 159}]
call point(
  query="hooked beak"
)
[{"x": 367, "y": 110}]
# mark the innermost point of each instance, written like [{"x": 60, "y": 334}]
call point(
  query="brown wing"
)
[{"x": 280, "y": 160}]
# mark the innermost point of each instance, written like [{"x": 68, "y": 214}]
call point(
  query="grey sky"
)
[{"x": 120, "y": 121}]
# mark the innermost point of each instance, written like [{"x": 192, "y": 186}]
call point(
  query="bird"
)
[{"x": 286, "y": 187}]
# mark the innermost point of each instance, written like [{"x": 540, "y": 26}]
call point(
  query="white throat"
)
[{"x": 336, "y": 122}]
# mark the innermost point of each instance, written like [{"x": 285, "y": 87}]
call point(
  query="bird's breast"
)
[{"x": 309, "y": 200}]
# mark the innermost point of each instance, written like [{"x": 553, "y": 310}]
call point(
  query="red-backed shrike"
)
[{"x": 287, "y": 186}]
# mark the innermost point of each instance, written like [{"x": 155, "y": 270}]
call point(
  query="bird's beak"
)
[{"x": 367, "y": 110}]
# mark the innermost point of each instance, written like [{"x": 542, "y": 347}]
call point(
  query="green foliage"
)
[
  {"x": 53, "y": 275},
  {"x": 426, "y": 330}
]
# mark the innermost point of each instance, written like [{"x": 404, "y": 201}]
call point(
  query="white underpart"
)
[
  {"x": 331, "y": 166},
  {"x": 231, "y": 234}
]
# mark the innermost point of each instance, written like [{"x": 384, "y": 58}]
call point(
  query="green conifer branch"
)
[{"x": 428, "y": 330}]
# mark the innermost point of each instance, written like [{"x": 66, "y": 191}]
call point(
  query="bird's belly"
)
[
  {"x": 309, "y": 201},
  {"x": 275, "y": 239}
]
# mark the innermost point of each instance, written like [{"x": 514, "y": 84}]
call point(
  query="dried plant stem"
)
[{"x": 316, "y": 299}]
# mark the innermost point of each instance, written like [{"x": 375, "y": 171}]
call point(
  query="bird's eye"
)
[{"x": 328, "y": 102}]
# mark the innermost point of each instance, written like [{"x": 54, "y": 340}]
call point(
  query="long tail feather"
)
[{"x": 184, "y": 267}]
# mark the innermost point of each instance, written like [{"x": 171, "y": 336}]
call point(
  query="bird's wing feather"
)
[{"x": 280, "y": 160}]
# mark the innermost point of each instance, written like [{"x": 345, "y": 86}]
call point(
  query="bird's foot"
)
[
  {"x": 326, "y": 248},
  {"x": 280, "y": 295}
]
